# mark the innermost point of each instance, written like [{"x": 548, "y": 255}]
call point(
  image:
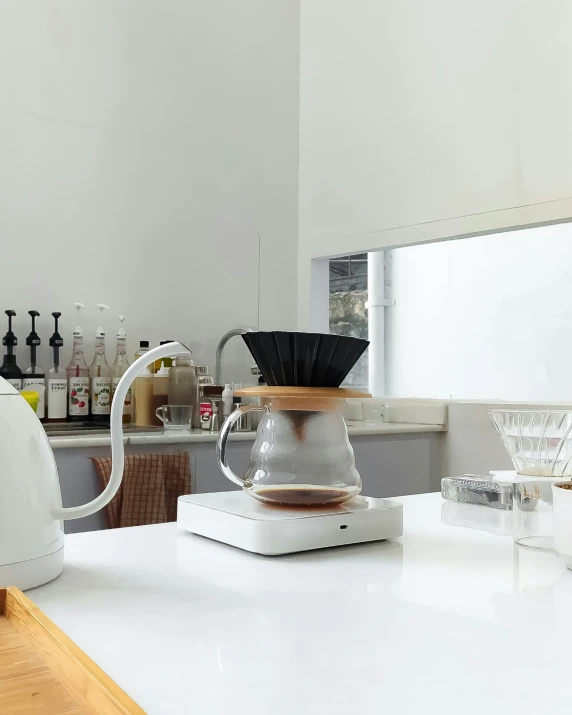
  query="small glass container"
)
[
  {"x": 539, "y": 443},
  {"x": 476, "y": 489},
  {"x": 175, "y": 417},
  {"x": 532, "y": 512}
]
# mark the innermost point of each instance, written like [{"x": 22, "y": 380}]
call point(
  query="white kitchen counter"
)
[
  {"x": 357, "y": 428},
  {"x": 447, "y": 620}
]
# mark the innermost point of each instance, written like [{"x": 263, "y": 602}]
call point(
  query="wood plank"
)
[
  {"x": 338, "y": 393},
  {"x": 27, "y": 686},
  {"x": 93, "y": 689}
]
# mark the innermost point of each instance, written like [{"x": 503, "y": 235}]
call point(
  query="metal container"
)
[
  {"x": 203, "y": 379},
  {"x": 476, "y": 489},
  {"x": 244, "y": 424}
]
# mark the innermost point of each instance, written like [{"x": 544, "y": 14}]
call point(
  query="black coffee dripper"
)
[{"x": 303, "y": 360}]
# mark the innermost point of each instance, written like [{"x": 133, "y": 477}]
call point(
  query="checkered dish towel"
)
[{"x": 149, "y": 490}]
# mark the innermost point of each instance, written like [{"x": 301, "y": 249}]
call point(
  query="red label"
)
[{"x": 206, "y": 412}]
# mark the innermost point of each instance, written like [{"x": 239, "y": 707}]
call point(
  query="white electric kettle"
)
[{"x": 31, "y": 533}]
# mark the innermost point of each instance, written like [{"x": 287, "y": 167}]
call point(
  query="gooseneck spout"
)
[
  {"x": 220, "y": 347},
  {"x": 117, "y": 455}
]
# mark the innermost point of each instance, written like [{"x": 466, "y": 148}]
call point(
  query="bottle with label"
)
[
  {"x": 57, "y": 382},
  {"x": 35, "y": 376},
  {"x": 9, "y": 370},
  {"x": 206, "y": 413},
  {"x": 100, "y": 377},
  {"x": 78, "y": 376},
  {"x": 203, "y": 379},
  {"x": 160, "y": 392},
  {"x": 143, "y": 390},
  {"x": 168, "y": 361},
  {"x": 183, "y": 382},
  {"x": 117, "y": 370}
]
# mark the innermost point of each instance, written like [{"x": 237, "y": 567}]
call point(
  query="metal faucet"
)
[{"x": 219, "y": 348}]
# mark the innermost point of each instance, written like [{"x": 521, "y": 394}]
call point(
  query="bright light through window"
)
[{"x": 348, "y": 314}]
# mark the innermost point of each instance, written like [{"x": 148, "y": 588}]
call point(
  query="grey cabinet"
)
[
  {"x": 390, "y": 465},
  {"x": 399, "y": 464}
]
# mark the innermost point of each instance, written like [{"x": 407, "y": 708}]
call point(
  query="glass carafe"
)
[{"x": 301, "y": 455}]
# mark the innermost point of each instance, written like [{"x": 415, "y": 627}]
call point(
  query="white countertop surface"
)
[
  {"x": 448, "y": 620},
  {"x": 357, "y": 429}
]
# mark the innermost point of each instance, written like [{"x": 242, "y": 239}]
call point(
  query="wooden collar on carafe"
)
[{"x": 310, "y": 399}]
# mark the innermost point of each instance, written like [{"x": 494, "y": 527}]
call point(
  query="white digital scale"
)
[{"x": 238, "y": 519}]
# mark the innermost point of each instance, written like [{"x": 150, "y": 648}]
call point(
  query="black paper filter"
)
[{"x": 304, "y": 359}]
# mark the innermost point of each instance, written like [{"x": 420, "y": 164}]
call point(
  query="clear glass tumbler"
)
[
  {"x": 175, "y": 417},
  {"x": 539, "y": 443}
]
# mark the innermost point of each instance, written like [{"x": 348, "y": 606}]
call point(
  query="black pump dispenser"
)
[
  {"x": 10, "y": 340},
  {"x": 56, "y": 341},
  {"x": 57, "y": 383},
  {"x": 33, "y": 341},
  {"x": 34, "y": 377},
  {"x": 9, "y": 370}
]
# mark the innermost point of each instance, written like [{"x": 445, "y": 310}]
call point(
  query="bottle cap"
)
[
  {"x": 202, "y": 370},
  {"x": 184, "y": 360},
  {"x": 162, "y": 371},
  {"x": 164, "y": 342},
  {"x": 143, "y": 343},
  {"x": 227, "y": 386}
]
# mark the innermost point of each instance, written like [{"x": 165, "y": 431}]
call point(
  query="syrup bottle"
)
[
  {"x": 78, "y": 376},
  {"x": 100, "y": 377},
  {"x": 118, "y": 369},
  {"x": 57, "y": 387}
]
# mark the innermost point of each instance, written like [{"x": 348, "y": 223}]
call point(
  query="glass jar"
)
[
  {"x": 301, "y": 456},
  {"x": 183, "y": 382}
]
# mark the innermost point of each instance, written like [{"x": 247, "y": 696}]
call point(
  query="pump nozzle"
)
[
  {"x": 56, "y": 341},
  {"x": 121, "y": 331},
  {"x": 10, "y": 340},
  {"x": 100, "y": 332},
  {"x": 33, "y": 338},
  {"x": 78, "y": 331}
]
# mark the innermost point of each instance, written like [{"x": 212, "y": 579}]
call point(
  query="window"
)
[{"x": 348, "y": 314}]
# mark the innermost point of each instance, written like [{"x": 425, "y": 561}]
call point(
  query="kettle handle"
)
[
  {"x": 117, "y": 455},
  {"x": 223, "y": 438}
]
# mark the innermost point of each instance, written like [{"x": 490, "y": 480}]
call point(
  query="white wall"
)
[
  {"x": 483, "y": 318},
  {"x": 142, "y": 145},
  {"x": 421, "y": 121}
]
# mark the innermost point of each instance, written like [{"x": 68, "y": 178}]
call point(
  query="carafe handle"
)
[{"x": 223, "y": 438}]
